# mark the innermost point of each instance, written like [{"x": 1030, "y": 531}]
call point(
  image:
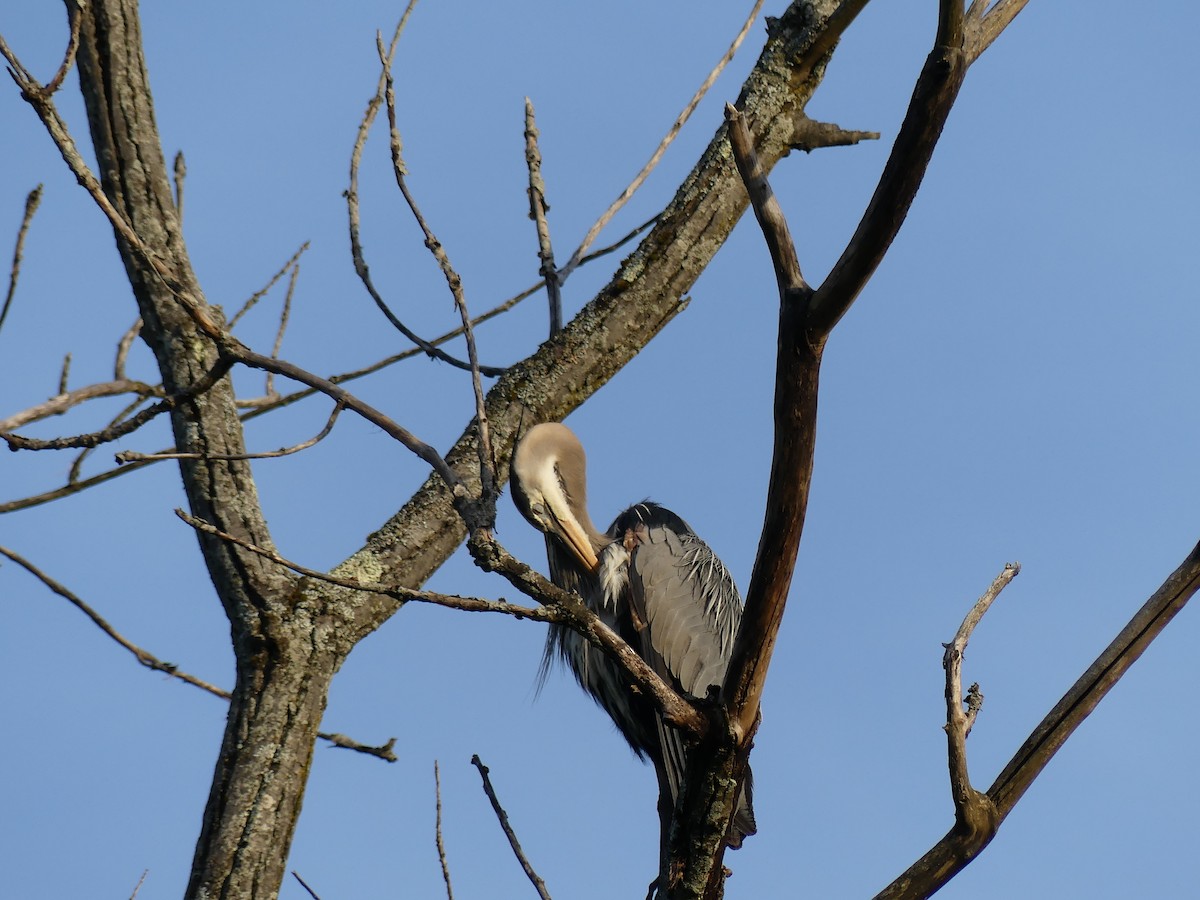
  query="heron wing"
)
[{"x": 690, "y": 606}]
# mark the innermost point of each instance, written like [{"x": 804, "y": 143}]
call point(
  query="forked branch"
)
[{"x": 960, "y": 846}]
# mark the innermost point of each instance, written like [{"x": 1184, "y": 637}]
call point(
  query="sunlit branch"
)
[
  {"x": 127, "y": 456},
  {"x": 537, "y": 212},
  {"x": 673, "y": 132}
]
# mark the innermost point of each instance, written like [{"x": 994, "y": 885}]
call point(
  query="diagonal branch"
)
[
  {"x": 154, "y": 663},
  {"x": 352, "y": 203},
  {"x": 502, "y": 817},
  {"x": 127, "y": 426},
  {"x": 588, "y": 239},
  {"x": 933, "y": 96},
  {"x": 960, "y": 846},
  {"x": 31, "y": 204},
  {"x": 984, "y": 27},
  {"x": 60, "y": 403},
  {"x": 149, "y": 660},
  {"x": 128, "y": 456}
]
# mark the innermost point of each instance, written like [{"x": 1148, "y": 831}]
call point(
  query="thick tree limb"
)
[{"x": 806, "y": 319}]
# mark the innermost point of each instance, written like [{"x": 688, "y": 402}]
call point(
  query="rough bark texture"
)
[
  {"x": 645, "y": 293},
  {"x": 284, "y": 662},
  {"x": 290, "y": 637}
]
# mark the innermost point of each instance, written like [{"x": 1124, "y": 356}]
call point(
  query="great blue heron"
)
[{"x": 650, "y": 579}]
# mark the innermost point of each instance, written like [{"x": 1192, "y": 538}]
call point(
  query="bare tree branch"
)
[
  {"x": 537, "y": 212},
  {"x": 547, "y": 613},
  {"x": 963, "y": 844},
  {"x": 149, "y": 660},
  {"x": 61, "y": 403},
  {"x": 137, "y": 887},
  {"x": 441, "y": 847},
  {"x": 385, "y": 751},
  {"x": 261, "y": 406},
  {"x": 984, "y": 27},
  {"x": 933, "y": 96},
  {"x": 352, "y": 204},
  {"x": 502, "y": 817},
  {"x": 253, "y": 299},
  {"x": 120, "y": 429},
  {"x": 973, "y": 811},
  {"x": 559, "y": 606},
  {"x": 454, "y": 283},
  {"x": 304, "y": 884},
  {"x": 127, "y": 456},
  {"x": 123, "y": 347},
  {"x": 657, "y": 155},
  {"x": 31, "y": 205}
]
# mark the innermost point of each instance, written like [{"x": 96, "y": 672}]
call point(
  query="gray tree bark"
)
[{"x": 290, "y": 636}]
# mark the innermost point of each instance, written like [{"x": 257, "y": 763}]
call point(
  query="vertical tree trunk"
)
[{"x": 286, "y": 652}]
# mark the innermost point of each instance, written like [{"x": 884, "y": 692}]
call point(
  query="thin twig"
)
[
  {"x": 149, "y": 660},
  {"x": 304, "y": 885},
  {"x": 64, "y": 374},
  {"x": 127, "y": 456},
  {"x": 59, "y": 404},
  {"x": 120, "y": 429},
  {"x": 31, "y": 204},
  {"x": 352, "y": 205},
  {"x": 180, "y": 178},
  {"x": 293, "y": 260},
  {"x": 766, "y": 208},
  {"x": 137, "y": 887},
  {"x": 441, "y": 847},
  {"x": 502, "y": 816},
  {"x": 235, "y": 351},
  {"x": 384, "y": 751},
  {"x": 284, "y": 316},
  {"x": 487, "y": 472},
  {"x": 537, "y": 212},
  {"x": 72, "y": 48},
  {"x": 401, "y": 594},
  {"x": 123, "y": 347},
  {"x": 672, "y": 133},
  {"x": 968, "y": 802}
]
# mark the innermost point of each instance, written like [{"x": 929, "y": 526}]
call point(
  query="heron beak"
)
[{"x": 573, "y": 534}]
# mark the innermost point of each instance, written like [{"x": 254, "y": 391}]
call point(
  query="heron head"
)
[{"x": 549, "y": 487}]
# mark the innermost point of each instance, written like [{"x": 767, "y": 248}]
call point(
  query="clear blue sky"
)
[{"x": 1017, "y": 383}]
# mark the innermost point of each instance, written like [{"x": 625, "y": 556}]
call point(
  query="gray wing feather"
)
[{"x": 691, "y": 606}]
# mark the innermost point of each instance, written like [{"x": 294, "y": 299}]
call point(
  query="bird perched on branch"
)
[{"x": 651, "y": 580}]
